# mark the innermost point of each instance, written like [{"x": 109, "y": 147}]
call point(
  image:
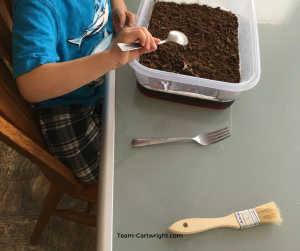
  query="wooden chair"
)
[{"x": 19, "y": 130}]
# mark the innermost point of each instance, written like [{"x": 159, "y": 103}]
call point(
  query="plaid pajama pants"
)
[{"x": 73, "y": 136}]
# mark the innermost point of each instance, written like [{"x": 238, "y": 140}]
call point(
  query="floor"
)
[{"x": 22, "y": 191}]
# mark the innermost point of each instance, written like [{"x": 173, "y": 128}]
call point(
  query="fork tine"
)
[
  {"x": 210, "y": 133},
  {"x": 211, "y": 137},
  {"x": 218, "y": 137},
  {"x": 214, "y": 142}
]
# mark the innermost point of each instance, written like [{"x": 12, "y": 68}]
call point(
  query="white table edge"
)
[{"x": 106, "y": 171}]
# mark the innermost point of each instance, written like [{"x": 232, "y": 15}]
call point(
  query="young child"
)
[{"x": 61, "y": 50}]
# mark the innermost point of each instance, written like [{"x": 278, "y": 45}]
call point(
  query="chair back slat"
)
[
  {"x": 5, "y": 41},
  {"x": 12, "y": 114},
  {"x": 9, "y": 4},
  {"x": 6, "y": 12},
  {"x": 9, "y": 86}
]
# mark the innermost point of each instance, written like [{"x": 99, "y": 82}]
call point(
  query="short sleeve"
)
[{"x": 35, "y": 35}]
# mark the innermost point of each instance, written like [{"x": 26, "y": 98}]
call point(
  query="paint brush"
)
[{"x": 267, "y": 213}]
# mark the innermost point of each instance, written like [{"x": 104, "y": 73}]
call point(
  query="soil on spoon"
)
[{"x": 212, "y": 51}]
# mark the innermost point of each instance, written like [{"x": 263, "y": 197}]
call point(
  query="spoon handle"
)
[
  {"x": 135, "y": 46},
  {"x": 129, "y": 46},
  {"x": 163, "y": 41}
]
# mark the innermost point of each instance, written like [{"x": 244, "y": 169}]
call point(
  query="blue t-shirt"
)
[{"x": 51, "y": 31}]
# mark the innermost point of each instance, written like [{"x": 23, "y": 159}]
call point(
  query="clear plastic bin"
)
[{"x": 206, "y": 92}]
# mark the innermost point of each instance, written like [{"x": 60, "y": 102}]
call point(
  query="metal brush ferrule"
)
[{"x": 247, "y": 218}]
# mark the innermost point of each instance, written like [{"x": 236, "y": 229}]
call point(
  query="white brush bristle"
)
[{"x": 269, "y": 213}]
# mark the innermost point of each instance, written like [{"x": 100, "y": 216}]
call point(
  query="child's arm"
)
[
  {"x": 55, "y": 79},
  {"x": 120, "y": 14}
]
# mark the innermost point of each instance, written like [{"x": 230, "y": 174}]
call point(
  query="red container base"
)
[{"x": 184, "y": 99}]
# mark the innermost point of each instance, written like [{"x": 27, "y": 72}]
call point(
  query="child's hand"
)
[
  {"x": 122, "y": 16},
  {"x": 131, "y": 35}
]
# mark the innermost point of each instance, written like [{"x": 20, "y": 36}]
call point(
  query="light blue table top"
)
[{"x": 158, "y": 185}]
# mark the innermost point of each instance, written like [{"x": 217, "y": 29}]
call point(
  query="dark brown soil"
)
[{"x": 212, "y": 51}]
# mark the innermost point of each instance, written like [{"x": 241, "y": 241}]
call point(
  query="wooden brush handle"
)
[{"x": 196, "y": 225}]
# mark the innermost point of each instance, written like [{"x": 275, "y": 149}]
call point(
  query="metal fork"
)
[{"x": 204, "y": 139}]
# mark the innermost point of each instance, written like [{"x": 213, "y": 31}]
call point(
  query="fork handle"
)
[{"x": 148, "y": 142}]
